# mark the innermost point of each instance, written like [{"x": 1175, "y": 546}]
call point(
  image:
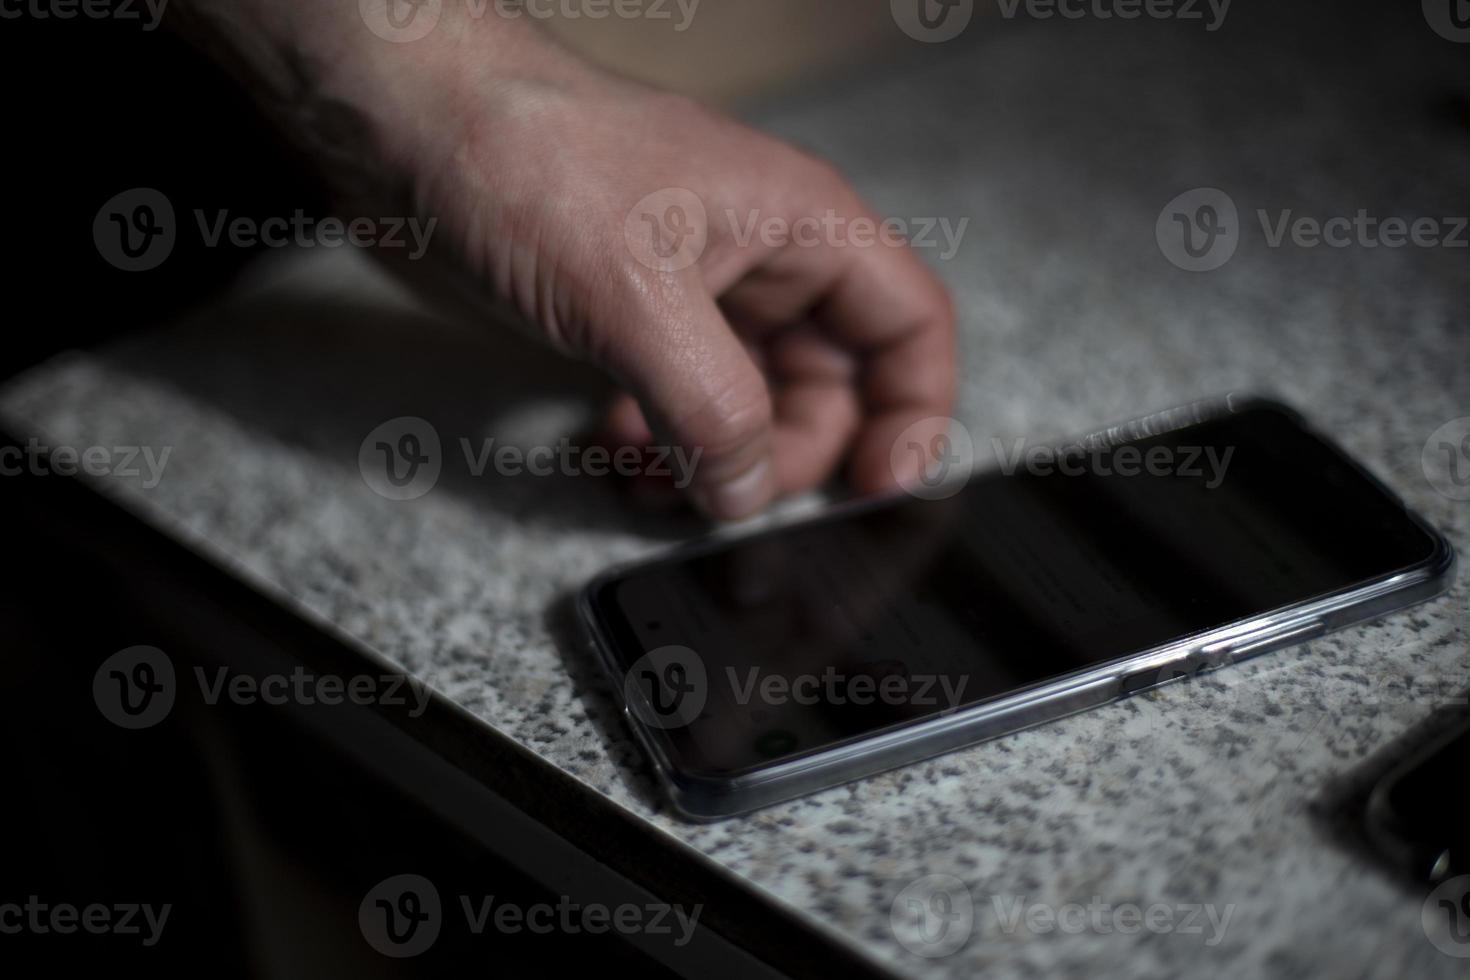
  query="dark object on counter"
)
[{"x": 1416, "y": 814}]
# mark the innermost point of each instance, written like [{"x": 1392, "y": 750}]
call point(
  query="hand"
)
[{"x": 776, "y": 356}]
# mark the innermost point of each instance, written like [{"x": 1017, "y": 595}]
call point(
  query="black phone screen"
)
[{"x": 827, "y": 631}]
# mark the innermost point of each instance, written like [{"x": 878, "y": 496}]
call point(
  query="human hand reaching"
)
[{"x": 746, "y": 300}]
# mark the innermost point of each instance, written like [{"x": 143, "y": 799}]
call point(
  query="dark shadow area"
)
[
  {"x": 264, "y": 828},
  {"x": 320, "y": 374},
  {"x": 260, "y": 835},
  {"x": 602, "y": 703},
  {"x": 1345, "y": 809}
]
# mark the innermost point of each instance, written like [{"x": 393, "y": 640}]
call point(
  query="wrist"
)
[{"x": 366, "y": 92}]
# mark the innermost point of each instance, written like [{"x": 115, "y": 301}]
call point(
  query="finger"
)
[
  {"x": 907, "y": 377},
  {"x": 623, "y": 423},
  {"x": 815, "y": 423},
  {"x": 776, "y": 296},
  {"x": 881, "y": 303},
  {"x": 656, "y": 483},
  {"x": 697, "y": 385},
  {"x": 817, "y": 408}
]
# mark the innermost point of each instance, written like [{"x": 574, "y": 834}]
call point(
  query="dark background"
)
[{"x": 258, "y": 832}]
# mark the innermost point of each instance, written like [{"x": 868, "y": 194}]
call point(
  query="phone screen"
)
[{"x": 829, "y": 631}]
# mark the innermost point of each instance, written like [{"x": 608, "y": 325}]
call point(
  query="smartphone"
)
[
  {"x": 1407, "y": 816},
  {"x": 756, "y": 669}
]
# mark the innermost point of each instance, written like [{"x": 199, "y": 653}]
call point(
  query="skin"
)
[{"x": 780, "y": 359}]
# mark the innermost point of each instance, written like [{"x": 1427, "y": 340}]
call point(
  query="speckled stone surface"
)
[{"x": 1061, "y": 142}]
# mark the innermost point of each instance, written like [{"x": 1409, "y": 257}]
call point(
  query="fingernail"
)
[{"x": 738, "y": 497}]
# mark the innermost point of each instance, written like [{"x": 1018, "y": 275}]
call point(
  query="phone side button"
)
[
  {"x": 1141, "y": 681},
  {"x": 1219, "y": 654},
  {"x": 1272, "y": 639},
  {"x": 1145, "y": 679}
]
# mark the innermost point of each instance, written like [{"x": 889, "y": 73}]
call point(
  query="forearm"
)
[
  {"x": 608, "y": 215},
  {"x": 371, "y": 109}
]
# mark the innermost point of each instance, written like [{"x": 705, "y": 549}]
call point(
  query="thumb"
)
[{"x": 699, "y": 388}]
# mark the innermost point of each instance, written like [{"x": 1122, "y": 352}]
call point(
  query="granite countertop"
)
[{"x": 1060, "y": 142}]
